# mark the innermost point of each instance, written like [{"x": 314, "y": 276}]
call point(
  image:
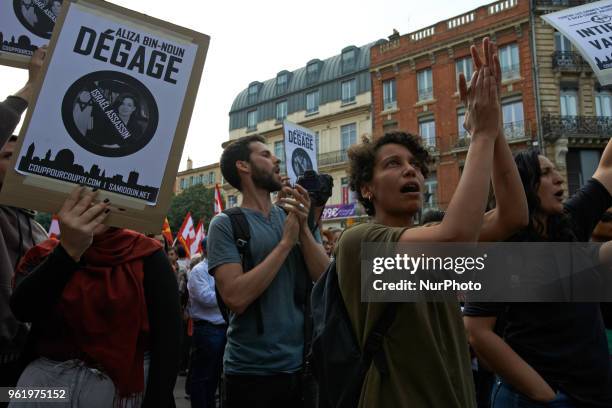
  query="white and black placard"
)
[
  {"x": 300, "y": 150},
  {"x": 108, "y": 108},
  {"x": 26, "y": 25},
  {"x": 589, "y": 28}
]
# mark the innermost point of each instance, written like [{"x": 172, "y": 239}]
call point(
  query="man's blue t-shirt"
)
[{"x": 280, "y": 348}]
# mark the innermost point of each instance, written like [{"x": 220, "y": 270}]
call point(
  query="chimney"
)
[{"x": 189, "y": 163}]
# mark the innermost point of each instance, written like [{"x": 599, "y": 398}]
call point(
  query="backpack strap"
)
[
  {"x": 242, "y": 237},
  {"x": 372, "y": 350}
]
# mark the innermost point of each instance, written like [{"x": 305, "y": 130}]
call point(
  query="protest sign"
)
[
  {"x": 112, "y": 113},
  {"x": 589, "y": 28},
  {"x": 300, "y": 150},
  {"x": 25, "y": 25}
]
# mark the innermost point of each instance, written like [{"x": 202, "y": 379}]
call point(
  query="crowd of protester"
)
[{"x": 115, "y": 316}]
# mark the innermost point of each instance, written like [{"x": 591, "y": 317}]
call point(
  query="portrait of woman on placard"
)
[
  {"x": 105, "y": 134},
  {"x": 28, "y": 12}
]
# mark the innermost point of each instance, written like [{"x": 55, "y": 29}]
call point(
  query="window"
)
[
  {"x": 348, "y": 135},
  {"x": 317, "y": 141},
  {"x": 312, "y": 72},
  {"x": 431, "y": 193},
  {"x": 509, "y": 60},
  {"x": 191, "y": 183},
  {"x": 461, "y": 132},
  {"x": 281, "y": 83},
  {"x": 425, "y": 85},
  {"x": 312, "y": 102},
  {"x": 514, "y": 125},
  {"x": 603, "y": 103},
  {"x": 232, "y": 201},
  {"x": 427, "y": 130},
  {"x": 348, "y": 60},
  {"x": 279, "y": 152},
  {"x": 389, "y": 101},
  {"x": 464, "y": 66},
  {"x": 569, "y": 102},
  {"x": 183, "y": 183},
  {"x": 252, "y": 94},
  {"x": 281, "y": 111},
  {"x": 348, "y": 91},
  {"x": 562, "y": 44},
  {"x": 252, "y": 120}
]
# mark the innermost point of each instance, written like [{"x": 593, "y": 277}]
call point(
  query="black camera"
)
[{"x": 319, "y": 186}]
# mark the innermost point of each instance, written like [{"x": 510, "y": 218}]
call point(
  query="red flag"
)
[
  {"x": 186, "y": 234},
  {"x": 196, "y": 248},
  {"x": 218, "y": 200},
  {"x": 54, "y": 228},
  {"x": 166, "y": 232}
]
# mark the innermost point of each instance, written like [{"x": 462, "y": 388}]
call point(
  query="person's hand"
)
[
  {"x": 291, "y": 230},
  {"x": 34, "y": 72},
  {"x": 36, "y": 63},
  {"x": 483, "y": 117},
  {"x": 491, "y": 60},
  {"x": 286, "y": 182},
  {"x": 299, "y": 203},
  {"x": 80, "y": 220}
]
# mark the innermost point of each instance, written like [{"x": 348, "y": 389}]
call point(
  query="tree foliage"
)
[{"x": 198, "y": 200}]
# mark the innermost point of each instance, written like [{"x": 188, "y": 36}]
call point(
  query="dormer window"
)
[
  {"x": 349, "y": 55},
  {"x": 282, "y": 80},
  {"x": 312, "y": 71},
  {"x": 253, "y": 91}
]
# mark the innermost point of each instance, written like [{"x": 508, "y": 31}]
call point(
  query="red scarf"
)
[{"x": 104, "y": 305}]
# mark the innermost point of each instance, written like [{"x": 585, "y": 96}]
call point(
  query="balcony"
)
[
  {"x": 331, "y": 158},
  {"x": 555, "y": 127},
  {"x": 511, "y": 71},
  {"x": 514, "y": 132},
  {"x": 568, "y": 61},
  {"x": 425, "y": 94}
]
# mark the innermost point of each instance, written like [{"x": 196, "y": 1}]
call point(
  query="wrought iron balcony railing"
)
[
  {"x": 331, "y": 158},
  {"x": 511, "y": 71},
  {"x": 513, "y": 131},
  {"x": 555, "y": 127},
  {"x": 568, "y": 61},
  {"x": 425, "y": 94}
]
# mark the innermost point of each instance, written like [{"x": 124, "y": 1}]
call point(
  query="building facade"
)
[
  {"x": 576, "y": 110},
  {"x": 414, "y": 86},
  {"x": 208, "y": 175},
  {"x": 332, "y": 97}
]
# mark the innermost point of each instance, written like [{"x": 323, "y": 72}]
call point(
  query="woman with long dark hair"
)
[{"x": 549, "y": 354}]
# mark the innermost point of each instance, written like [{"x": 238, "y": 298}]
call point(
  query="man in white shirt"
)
[{"x": 209, "y": 338}]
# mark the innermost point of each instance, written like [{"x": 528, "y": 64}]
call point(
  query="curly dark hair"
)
[
  {"x": 558, "y": 225},
  {"x": 238, "y": 150},
  {"x": 362, "y": 161}
]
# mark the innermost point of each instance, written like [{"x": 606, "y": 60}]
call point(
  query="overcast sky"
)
[{"x": 253, "y": 40}]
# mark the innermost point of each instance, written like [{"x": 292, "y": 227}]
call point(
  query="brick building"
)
[{"x": 414, "y": 85}]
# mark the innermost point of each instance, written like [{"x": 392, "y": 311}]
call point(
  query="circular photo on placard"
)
[
  {"x": 300, "y": 161},
  {"x": 38, "y": 16},
  {"x": 110, "y": 113}
]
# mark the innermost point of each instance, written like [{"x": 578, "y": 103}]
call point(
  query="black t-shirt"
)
[{"x": 564, "y": 342}]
